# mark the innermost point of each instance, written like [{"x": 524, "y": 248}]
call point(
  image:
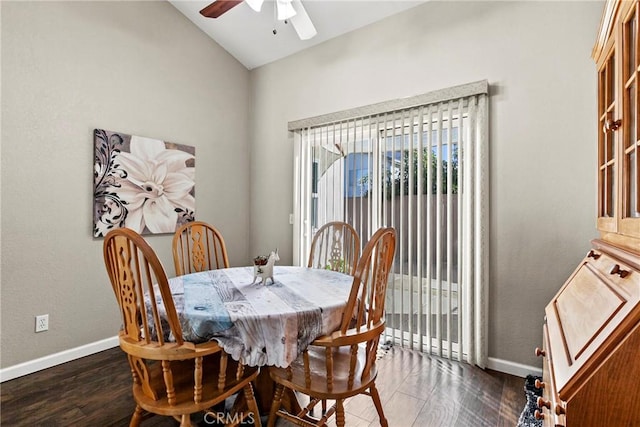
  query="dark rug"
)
[{"x": 527, "y": 418}]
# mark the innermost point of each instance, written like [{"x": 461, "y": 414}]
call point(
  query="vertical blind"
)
[{"x": 419, "y": 165}]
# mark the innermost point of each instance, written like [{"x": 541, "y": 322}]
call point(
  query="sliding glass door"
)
[{"x": 421, "y": 170}]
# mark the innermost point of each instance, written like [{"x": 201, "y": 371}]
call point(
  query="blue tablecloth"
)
[{"x": 260, "y": 324}]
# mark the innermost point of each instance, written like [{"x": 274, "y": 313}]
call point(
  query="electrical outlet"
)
[{"x": 42, "y": 323}]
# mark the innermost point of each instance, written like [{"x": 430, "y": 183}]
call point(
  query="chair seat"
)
[
  {"x": 183, "y": 381},
  {"x": 319, "y": 386}
]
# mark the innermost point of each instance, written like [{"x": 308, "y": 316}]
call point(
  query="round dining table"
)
[{"x": 260, "y": 324}]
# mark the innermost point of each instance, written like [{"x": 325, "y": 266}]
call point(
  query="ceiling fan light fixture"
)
[
  {"x": 290, "y": 11},
  {"x": 285, "y": 9},
  {"x": 255, "y": 4}
]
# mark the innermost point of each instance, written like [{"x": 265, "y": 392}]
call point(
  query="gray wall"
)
[
  {"x": 536, "y": 56},
  {"x": 135, "y": 67},
  {"x": 142, "y": 68}
]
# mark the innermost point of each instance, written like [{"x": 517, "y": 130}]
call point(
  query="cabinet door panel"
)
[{"x": 584, "y": 308}]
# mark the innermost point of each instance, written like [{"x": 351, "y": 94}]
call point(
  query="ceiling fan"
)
[{"x": 287, "y": 10}]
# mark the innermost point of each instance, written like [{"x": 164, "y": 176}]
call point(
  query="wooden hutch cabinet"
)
[{"x": 591, "y": 332}]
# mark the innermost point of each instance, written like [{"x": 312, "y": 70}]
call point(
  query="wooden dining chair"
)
[
  {"x": 335, "y": 246},
  {"x": 198, "y": 246},
  {"x": 171, "y": 376},
  {"x": 343, "y": 364}
]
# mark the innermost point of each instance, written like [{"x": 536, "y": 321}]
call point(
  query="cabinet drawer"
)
[{"x": 550, "y": 399}]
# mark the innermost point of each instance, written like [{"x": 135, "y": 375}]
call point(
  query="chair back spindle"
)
[
  {"x": 335, "y": 246},
  {"x": 135, "y": 270},
  {"x": 198, "y": 246}
]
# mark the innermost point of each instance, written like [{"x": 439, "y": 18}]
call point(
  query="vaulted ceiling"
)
[{"x": 249, "y": 35}]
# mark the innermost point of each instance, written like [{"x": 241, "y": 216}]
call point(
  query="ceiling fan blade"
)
[
  {"x": 218, "y": 8},
  {"x": 255, "y": 4},
  {"x": 284, "y": 9},
  {"x": 301, "y": 21}
]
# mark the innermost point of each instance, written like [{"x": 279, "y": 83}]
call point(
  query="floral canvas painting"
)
[{"x": 141, "y": 183}]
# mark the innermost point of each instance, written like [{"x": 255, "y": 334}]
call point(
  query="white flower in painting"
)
[{"x": 157, "y": 182}]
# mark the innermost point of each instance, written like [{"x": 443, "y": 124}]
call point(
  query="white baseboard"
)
[
  {"x": 513, "y": 368},
  {"x": 51, "y": 360}
]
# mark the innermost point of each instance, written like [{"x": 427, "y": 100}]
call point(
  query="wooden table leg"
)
[{"x": 264, "y": 391}]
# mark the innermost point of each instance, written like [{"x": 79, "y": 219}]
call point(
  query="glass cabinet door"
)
[
  {"x": 630, "y": 215},
  {"x": 617, "y": 55},
  {"x": 607, "y": 145}
]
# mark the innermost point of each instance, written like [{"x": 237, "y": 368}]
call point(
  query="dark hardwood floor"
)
[{"x": 416, "y": 390}]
